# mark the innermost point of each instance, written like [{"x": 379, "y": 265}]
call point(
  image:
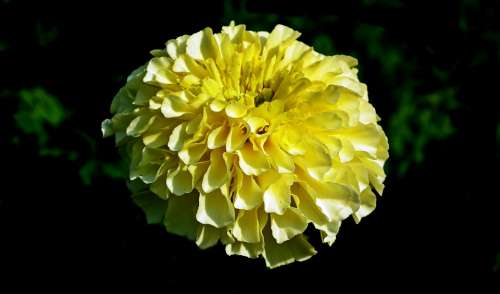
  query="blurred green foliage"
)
[{"x": 39, "y": 114}]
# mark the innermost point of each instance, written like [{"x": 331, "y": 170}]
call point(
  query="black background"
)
[{"x": 436, "y": 224}]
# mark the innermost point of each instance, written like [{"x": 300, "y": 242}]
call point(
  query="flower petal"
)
[
  {"x": 238, "y": 134},
  {"x": 217, "y": 137},
  {"x": 176, "y": 47},
  {"x": 282, "y": 160},
  {"x": 252, "y": 162},
  {"x": 286, "y": 226},
  {"x": 202, "y": 45},
  {"x": 280, "y": 254},
  {"x": 217, "y": 173},
  {"x": 173, "y": 106},
  {"x": 192, "y": 153},
  {"x": 178, "y": 137},
  {"x": 277, "y": 197},
  {"x": 215, "y": 209},
  {"x": 207, "y": 236},
  {"x": 248, "y": 194},
  {"x": 246, "y": 227},
  {"x": 250, "y": 250},
  {"x": 306, "y": 205},
  {"x": 140, "y": 125},
  {"x": 158, "y": 72},
  {"x": 179, "y": 218},
  {"x": 368, "y": 203},
  {"x": 179, "y": 181},
  {"x": 236, "y": 110}
]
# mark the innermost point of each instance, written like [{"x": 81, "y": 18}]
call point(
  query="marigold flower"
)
[{"x": 248, "y": 138}]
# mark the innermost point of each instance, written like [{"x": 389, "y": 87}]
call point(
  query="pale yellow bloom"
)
[{"x": 248, "y": 138}]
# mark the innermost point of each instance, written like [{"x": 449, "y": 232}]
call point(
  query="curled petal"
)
[
  {"x": 179, "y": 181},
  {"x": 246, "y": 227},
  {"x": 207, "y": 236},
  {"x": 237, "y": 136},
  {"x": 192, "y": 153},
  {"x": 247, "y": 138},
  {"x": 280, "y": 254},
  {"x": 252, "y": 162},
  {"x": 288, "y": 225},
  {"x": 178, "y": 137},
  {"x": 173, "y": 106},
  {"x": 217, "y": 137},
  {"x": 248, "y": 194},
  {"x": 215, "y": 209},
  {"x": 277, "y": 196},
  {"x": 217, "y": 173}
]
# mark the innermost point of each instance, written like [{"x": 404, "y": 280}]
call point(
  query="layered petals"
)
[{"x": 248, "y": 139}]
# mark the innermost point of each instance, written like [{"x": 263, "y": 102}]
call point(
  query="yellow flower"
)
[{"x": 248, "y": 138}]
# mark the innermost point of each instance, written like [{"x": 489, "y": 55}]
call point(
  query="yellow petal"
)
[
  {"x": 192, "y": 153},
  {"x": 156, "y": 140},
  {"x": 217, "y": 105},
  {"x": 336, "y": 201},
  {"x": 174, "y": 106},
  {"x": 140, "y": 124},
  {"x": 186, "y": 64},
  {"x": 286, "y": 226},
  {"x": 217, "y": 173},
  {"x": 248, "y": 195},
  {"x": 292, "y": 141},
  {"x": 279, "y": 35},
  {"x": 215, "y": 209},
  {"x": 252, "y": 162},
  {"x": 277, "y": 196},
  {"x": 217, "y": 137},
  {"x": 316, "y": 160},
  {"x": 197, "y": 171},
  {"x": 178, "y": 137},
  {"x": 250, "y": 250},
  {"x": 363, "y": 137},
  {"x": 280, "y": 254},
  {"x": 234, "y": 32},
  {"x": 282, "y": 160},
  {"x": 207, "y": 236},
  {"x": 368, "y": 202},
  {"x": 238, "y": 134},
  {"x": 180, "y": 181},
  {"x": 202, "y": 45},
  {"x": 236, "y": 110},
  {"x": 176, "y": 47},
  {"x": 306, "y": 205},
  {"x": 246, "y": 227},
  {"x": 256, "y": 124},
  {"x": 329, "y": 231},
  {"x": 158, "y": 72}
]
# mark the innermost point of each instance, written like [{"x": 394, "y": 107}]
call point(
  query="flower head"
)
[{"x": 248, "y": 138}]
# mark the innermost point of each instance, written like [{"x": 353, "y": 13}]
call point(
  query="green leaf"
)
[{"x": 87, "y": 171}]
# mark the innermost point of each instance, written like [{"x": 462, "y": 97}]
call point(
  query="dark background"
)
[{"x": 432, "y": 71}]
